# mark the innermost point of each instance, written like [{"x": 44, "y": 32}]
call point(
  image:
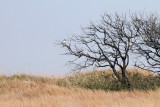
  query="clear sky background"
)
[{"x": 28, "y": 29}]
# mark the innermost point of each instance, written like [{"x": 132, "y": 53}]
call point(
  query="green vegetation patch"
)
[{"x": 100, "y": 80}]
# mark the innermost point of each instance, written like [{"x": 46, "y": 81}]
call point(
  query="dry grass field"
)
[{"x": 24, "y": 91}]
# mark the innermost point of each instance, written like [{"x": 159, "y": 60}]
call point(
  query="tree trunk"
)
[{"x": 125, "y": 82}]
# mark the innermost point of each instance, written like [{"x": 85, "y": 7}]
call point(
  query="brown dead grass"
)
[
  {"x": 55, "y": 96},
  {"x": 42, "y": 92},
  {"x": 129, "y": 70},
  {"x": 141, "y": 71}
]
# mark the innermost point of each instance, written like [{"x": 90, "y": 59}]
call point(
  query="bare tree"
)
[
  {"x": 106, "y": 44},
  {"x": 148, "y": 43}
]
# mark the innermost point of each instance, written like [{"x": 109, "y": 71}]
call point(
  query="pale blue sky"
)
[{"x": 28, "y": 29}]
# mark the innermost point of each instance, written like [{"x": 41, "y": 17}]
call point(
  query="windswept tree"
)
[
  {"x": 106, "y": 44},
  {"x": 148, "y": 41}
]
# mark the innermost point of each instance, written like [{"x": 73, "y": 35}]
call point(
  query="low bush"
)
[{"x": 101, "y": 80}]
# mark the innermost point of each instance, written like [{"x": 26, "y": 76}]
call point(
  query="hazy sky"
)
[{"x": 28, "y": 29}]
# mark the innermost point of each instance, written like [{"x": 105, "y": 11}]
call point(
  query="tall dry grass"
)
[
  {"x": 54, "y": 96},
  {"x": 34, "y": 91}
]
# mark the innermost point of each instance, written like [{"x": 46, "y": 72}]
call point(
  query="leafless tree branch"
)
[{"x": 104, "y": 44}]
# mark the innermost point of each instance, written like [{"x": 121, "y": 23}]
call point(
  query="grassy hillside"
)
[{"x": 89, "y": 89}]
